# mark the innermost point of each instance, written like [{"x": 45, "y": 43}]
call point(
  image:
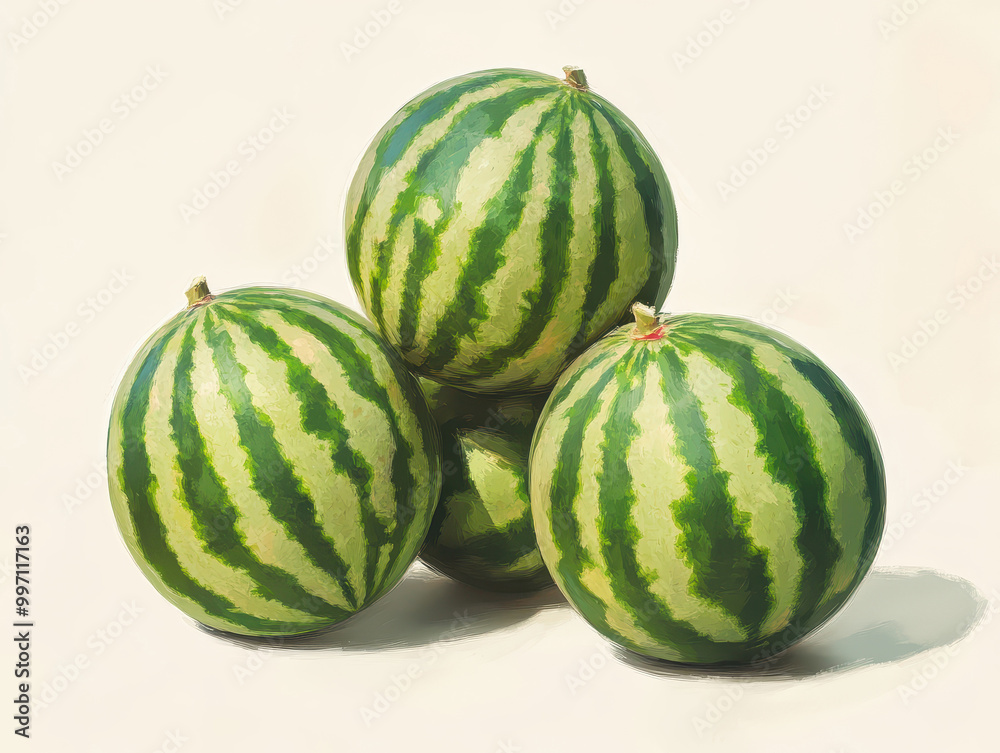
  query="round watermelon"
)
[
  {"x": 482, "y": 533},
  {"x": 273, "y": 466},
  {"x": 704, "y": 489},
  {"x": 502, "y": 221}
]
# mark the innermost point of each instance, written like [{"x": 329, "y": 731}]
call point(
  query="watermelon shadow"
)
[
  {"x": 423, "y": 609},
  {"x": 895, "y": 614}
]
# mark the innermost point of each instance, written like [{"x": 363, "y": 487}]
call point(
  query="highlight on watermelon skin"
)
[
  {"x": 704, "y": 489},
  {"x": 273, "y": 466},
  {"x": 504, "y": 220}
]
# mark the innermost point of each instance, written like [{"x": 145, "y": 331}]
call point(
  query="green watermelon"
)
[
  {"x": 704, "y": 489},
  {"x": 502, "y": 221},
  {"x": 273, "y": 466},
  {"x": 482, "y": 533}
]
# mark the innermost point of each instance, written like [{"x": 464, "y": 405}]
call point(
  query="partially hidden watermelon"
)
[
  {"x": 704, "y": 489},
  {"x": 273, "y": 466},
  {"x": 502, "y": 221},
  {"x": 482, "y": 532}
]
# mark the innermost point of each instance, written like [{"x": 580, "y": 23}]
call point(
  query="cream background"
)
[{"x": 503, "y": 685}]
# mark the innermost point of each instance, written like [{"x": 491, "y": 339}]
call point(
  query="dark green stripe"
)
[
  {"x": 564, "y": 526},
  {"x": 504, "y": 214},
  {"x": 273, "y": 476},
  {"x": 363, "y": 380},
  {"x": 603, "y": 269},
  {"x": 789, "y": 453},
  {"x": 322, "y": 418},
  {"x": 214, "y": 514},
  {"x": 423, "y": 261},
  {"x": 140, "y": 486},
  {"x": 391, "y": 146},
  {"x": 554, "y": 240},
  {"x": 617, "y": 530},
  {"x": 436, "y": 176},
  {"x": 728, "y": 568},
  {"x": 658, "y": 208},
  {"x": 858, "y": 435}
]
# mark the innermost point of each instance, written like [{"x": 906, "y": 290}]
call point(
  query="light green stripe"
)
[
  {"x": 840, "y": 467},
  {"x": 773, "y": 524},
  {"x": 264, "y": 536},
  {"x": 522, "y": 264},
  {"x": 200, "y": 563},
  {"x": 489, "y": 166},
  {"x": 658, "y": 474},
  {"x": 595, "y": 575},
  {"x": 395, "y": 181},
  {"x": 337, "y": 504},
  {"x": 568, "y": 310},
  {"x": 631, "y": 235}
]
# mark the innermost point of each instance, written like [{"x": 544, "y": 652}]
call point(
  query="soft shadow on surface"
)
[
  {"x": 896, "y": 613},
  {"x": 423, "y": 609}
]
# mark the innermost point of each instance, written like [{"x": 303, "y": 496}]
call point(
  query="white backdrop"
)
[{"x": 836, "y": 170}]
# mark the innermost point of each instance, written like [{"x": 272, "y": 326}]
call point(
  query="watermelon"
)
[
  {"x": 704, "y": 489},
  {"x": 482, "y": 532},
  {"x": 273, "y": 465},
  {"x": 502, "y": 221}
]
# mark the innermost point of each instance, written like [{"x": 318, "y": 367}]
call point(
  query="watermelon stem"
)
[
  {"x": 647, "y": 325},
  {"x": 576, "y": 78},
  {"x": 198, "y": 293}
]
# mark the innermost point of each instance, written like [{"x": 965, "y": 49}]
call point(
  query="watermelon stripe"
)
[
  {"x": 564, "y": 526},
  {"x": 322, "y": 418},
  {"x": 556, "y": 229},
  {"x": 618, "y": 532},
  {"x": 862, "y": 442},
  {"x": 718, "y": 546},
  {"x": 391, "y": 147},
  {"x": 604, "y": 268},
  {"x": 658, "y": 209},
  {"x": 504, "y": 213},
  {"x": 426, "y": 250},
  {"x": 273, "y": 476},
  {"x": 480, "y": 121},
  {"x": 208, "y": 500},
  {"x": 139, "y": 484},
  {"x": 362, "y": 379}
]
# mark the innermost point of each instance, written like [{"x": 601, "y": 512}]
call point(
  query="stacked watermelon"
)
[{"x": 701, "y": 489}]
